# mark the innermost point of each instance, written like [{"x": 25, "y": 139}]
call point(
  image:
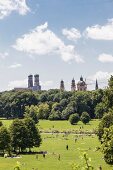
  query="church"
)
[{"x": 80, "y": 86}]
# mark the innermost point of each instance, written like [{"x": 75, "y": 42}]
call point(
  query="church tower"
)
[
  {"x": 96, "y": 86},
  {"x": 81, "y": 85},
  {"x": 30, "y": 81},
  {"x": 73, "y": 86},
  {"x": 62, "y": 88},
  {"x": 36, "y": 80},
  {"x": 36, "y": 86}
]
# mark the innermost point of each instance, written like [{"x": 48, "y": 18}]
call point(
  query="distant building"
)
[
  {"x": 62, "y": 88},
  {"x": 81, "y": 85},
  {"x": 21, "y": 89},
  {"x": 73, "y": 86},
  {"x": 30, "y": 81},
  {"x": 35, "y": 87},
  {"x": 96, "y": 85}
]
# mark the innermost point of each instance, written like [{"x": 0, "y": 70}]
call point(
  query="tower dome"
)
[{"x": 81, "y": 85}]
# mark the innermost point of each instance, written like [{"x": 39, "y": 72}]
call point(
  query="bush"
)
[
  {"x": 85, "y": 118},
  {"x": 74, "y": 118},
  {"x": 106, "y": 122}
]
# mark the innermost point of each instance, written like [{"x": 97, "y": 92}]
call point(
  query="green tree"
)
[
  {"x": 67, "y": 112},
  {"x": 110, "y": 82},
  {"x": 55, "y": 115},
  {"x": 4, "y": 139},
  {"x": 74, "y": 118},
  {"x": 85, "y": 118},
  {"x": 106, "y": 122},
  {"x": 33, "y": 136},
  {"x": 18, "y": 132},
  {"x": 107, "y": 145},
  {"x": 99, "y": 110},
  {"x": 32, "y": 111},
  {"x": 43, "y": 111}
]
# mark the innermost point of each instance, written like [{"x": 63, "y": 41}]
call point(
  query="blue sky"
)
[{"x": 58, "y": 39}]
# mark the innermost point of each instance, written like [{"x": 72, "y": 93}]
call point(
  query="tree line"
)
[{"x": 51, "y": 104}]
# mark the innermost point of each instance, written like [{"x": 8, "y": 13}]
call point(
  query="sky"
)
[{"x": 57, "y": 39}]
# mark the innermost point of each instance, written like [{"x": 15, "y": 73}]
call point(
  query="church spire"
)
[
  {"x": 96, "y": 86},
  {"x": 73, "y": 86},
  {"x": 62, "y": 88}
]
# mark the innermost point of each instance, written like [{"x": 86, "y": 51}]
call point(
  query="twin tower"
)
[{"x": 36, "y": 86}]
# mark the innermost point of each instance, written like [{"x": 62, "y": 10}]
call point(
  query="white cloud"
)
[
  {"x": 99, "y": 32},
  {"x": 17, "y": 83},
  {"x": 71, "y": 34},
  {"x": 47, "y": 83},
  {"x": 16, "y": 65},
  {"x": 3, "y": 55},
  {"x": 42, "y": 41},
  {"x": 101, "y": 76},
  {"x": 104, "y": 58},
  {"x": 8, "y": 6}
]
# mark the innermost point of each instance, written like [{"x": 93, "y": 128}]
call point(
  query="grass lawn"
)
[
  {"x": 46, "y": 125},
  {"x": 55, "y": 144}
]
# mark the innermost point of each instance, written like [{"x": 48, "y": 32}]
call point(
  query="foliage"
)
[
  {"x": 32, "y": 111},
  {"x": 1, "y": 123},
  {"x": 55, "y": 115},
  {"x": 4, "y": 139},
  {"x": 99, "y": 110},
  {"x": 14, "y": 104},
  {"x": 18, "y": 132},
  {"x": 74, "y": 118},
  {"x": 85, "y": 118},
  {"x": 24, "y": 134},
  {"x": 17, "y": 167},
  {"x": 85, "y": 165},
  {"x": 107, "y": 144},
  {"x": 106, "y": 122},
  {"x": 67, "y": 112},
  {"x": 33, "y": 137},
  {"x": 43, "y": 111},
  {"x": 110, "y": 82}
]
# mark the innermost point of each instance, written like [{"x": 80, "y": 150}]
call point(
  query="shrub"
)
[
  {"x": 85, "y": 118},
  {"x": 74, "y": 118}
]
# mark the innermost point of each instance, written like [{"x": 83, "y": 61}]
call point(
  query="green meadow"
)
[{"x": 55, "y": 145}]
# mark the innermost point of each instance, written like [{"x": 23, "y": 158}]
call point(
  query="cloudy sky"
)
[{"x": 58, "y": 39}]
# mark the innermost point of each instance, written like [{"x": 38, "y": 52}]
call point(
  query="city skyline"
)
[{"x": 58, "y": 40}]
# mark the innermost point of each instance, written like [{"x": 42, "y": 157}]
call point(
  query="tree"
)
[
  {"x": 18, "y": 132},
  {"x": 107, "y": 145},
  {"x": 55, "y": 115},
  {"x": 4, "y": 139},
  {"x": 106, "y": 122},
  {"x": 85, "y": 118},
  {"x": 74, "y": 118},
  {"x": 33, "y": 137},
  {"x": 32, "y": 111},
  {"x": 99, "y": 110},
  {"x": 67, "y": 112},
  {"x": 43, "y": 111},
  {"x": 110, "y": 82}
]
